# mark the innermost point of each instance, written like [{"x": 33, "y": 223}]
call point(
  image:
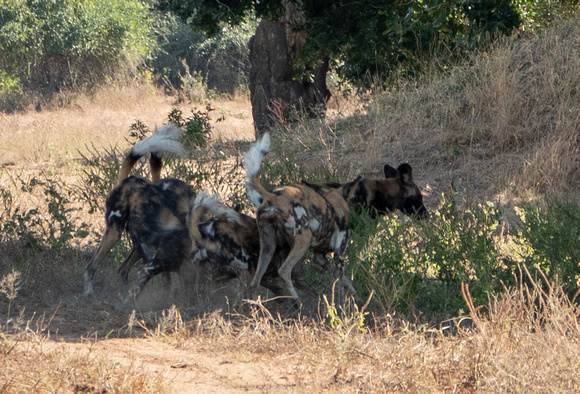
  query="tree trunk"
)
[{"x": 275, "y": 91}]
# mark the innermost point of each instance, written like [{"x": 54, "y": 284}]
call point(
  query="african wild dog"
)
[
  {"x": 298, "y": 218},
  {"x": 227, "y": 244},
  {"x": 225, "y": 241},
  {"x": 154, "y": 214},
  {"x": 396, "y": 192}
]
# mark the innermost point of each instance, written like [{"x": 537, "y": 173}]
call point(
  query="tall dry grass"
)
[
  {"x": 523, "y": 340},
  {"x": 506, "y": 122}
]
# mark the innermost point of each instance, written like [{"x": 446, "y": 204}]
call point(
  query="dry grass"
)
[
  {"x": 527, "y": 340},
  {"x": 28, "y": 366},
  {"x": 53, "y": 137}
]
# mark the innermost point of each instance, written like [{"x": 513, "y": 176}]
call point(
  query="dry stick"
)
[
  {"x": 545, "y": 279},
  {"x": 473, "y": 311},
  {"x": 261, "y": 307},
  {"x": 362, "y": 309}
]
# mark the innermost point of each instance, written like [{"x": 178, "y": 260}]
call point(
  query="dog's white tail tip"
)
[
  {"x": 253, "y": 158},
  {"x": 165, "y": 139}
]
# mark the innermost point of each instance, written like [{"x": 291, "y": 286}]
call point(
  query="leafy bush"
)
[
  {"x": 418, "y": 265},
  {"x": 538, "y": 14},
  {"x": 48, "y": 46},
  {"x": 54, "y": 226},
  {"x": 219, "y": 63},
  {"x": 550, "y": 238},
  {"x": 197, "y": 126}
]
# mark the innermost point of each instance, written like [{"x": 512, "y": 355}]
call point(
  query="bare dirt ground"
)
[
  {"x": 197, "y": 369},
  {"x": 99, "y": 345}
]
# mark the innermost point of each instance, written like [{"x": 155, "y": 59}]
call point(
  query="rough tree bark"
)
[{"x": 275, "y": 92}]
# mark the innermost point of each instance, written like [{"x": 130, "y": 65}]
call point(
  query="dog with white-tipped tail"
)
[
  {"x": 298, "y": 218},
  {"x": 153, "y": 213}
]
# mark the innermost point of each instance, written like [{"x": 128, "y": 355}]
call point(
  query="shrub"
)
[
  {"x": 50, "y": 46},
  {"x": 416, "y": 265},
  {"x": 219, "y": 63},
  {"x": 54, "y": 225},
  {"x": 549, "y": 238}
]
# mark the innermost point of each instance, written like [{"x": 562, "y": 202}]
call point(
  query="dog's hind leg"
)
[
  {"x": 123, "y": 270},
  {"x": 267, "y": 250},
  {"x": 110, "y": 238},
  {"x": 168, "y": 284},
  {"x": 301, "y": 245},
  {"x": 143, "y": 276}
]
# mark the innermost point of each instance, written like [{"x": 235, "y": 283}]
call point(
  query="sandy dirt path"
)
[{"x": 200, "y": 369}]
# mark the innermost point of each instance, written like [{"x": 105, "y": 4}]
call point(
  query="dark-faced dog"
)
[
  {"x": 154, "y": 214},
  {"x": 227, "y": 243},
  {"x": 298, "y": 218},
  {"x": 396, "y": 192}
]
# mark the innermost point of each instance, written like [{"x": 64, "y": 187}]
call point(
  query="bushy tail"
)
[
  {"x": 210, "y": 205},
  {"x": 252, "y": 162},
  {"x": 164, "y": 140}
]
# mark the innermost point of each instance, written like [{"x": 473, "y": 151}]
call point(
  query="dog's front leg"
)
[{"x": 339, "y": 270}]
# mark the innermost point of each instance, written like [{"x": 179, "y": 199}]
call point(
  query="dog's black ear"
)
[
  {"x": 349, "y": 189},
  {"x": 405, "y": 173},
  {"x": 390, "y": 172}
]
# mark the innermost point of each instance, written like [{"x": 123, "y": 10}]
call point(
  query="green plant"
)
[
  {"x": 8, "y": 83},
  {"x": 50, "y": 46},
  {"x": 53, "y": 224},
  {"x": 197, "y": 126},
  {"x": 219, "y": 63},
  {"x": 17, "y": 223},
  {"x": 539, "y": 14},
  {"x": 416, "y": 266},
  {"x": 550, "y": 237},
  {"x": 192, "y": 87},
  {"x": 100, "y": 173},
  {"x": 138, "y": 131},
  {"x": 61, "y": 227},
  {"x": 350, "y": 317}
]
